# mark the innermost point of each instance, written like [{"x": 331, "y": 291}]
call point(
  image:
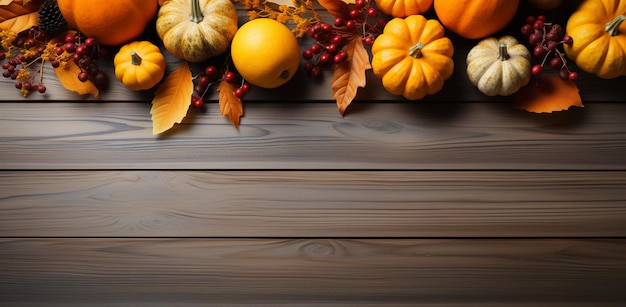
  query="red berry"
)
[
  {"x": 573, "y": 76},
  {"x": 538, "y": 25},
  {"x": 531, "y": 19},
  {"x": 80, "y": 50},
  {"x": 70, "y": 38},
  {"x": 540, "y": 51},
  {"x": 337, "y": 39},
  {"x": 381, "y": 23},
  {"x": 315, "y": 72},
  {"x": 230, "y": 77},
  {"x": 372, "y": 12},
  {"x": 325, "y": 58},
  {"x": 359, "y": 4},
  {"x": 204, "y": 81},
  {"x": 535, "y": 39},
  {"x": 100, "y": 80},
  {"x": 90, "y": 42},
  {"x": 350, "y": 24},
  {"x": 568, "y": 40},
  {"x": 197, "y": 102},
  {"x": 332, "y": 48},
  {"x": 552, "y": 45},
  {"x": 338, "y": 58},
  {"x": 556, "y": 62},
  {"x": 326, "y": 28},
  {"x": 70, "y": 47},
  {"x": 27, "y": 86},
  {"x": 316, "y": 48},
  {"x": 527, "y": 30},
  {"x": 541, "y": 17},
  {"x": 245, "y": 86},
  {"x": 307, "y": 54},
  {"x": 339, "y": 22},
  {"x": 239, "y": 92},
  {"x": 536, "y": 70},
  {"x": 368, "y": 40},
  {"x": 41, "y": 88},
  {"x": 211, "y": 72},
  {"x": 18, "y": 85},
  {"x": 354, "y": 14}
]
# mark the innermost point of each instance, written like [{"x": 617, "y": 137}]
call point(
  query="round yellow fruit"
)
[{"x": 265, "y": 52}]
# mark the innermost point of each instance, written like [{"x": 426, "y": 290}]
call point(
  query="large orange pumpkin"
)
[
  {"x": 111, "y": 22},
  {"x": 475, "y": 19}
]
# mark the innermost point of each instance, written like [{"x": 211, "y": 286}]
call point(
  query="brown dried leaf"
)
[
  {"x": 230, "y": 105},
  {"x": 68, "y": 76},
  {"x": 172, "y": 99},
  {"x": 350, "y": 75},
  {"x": 548, "y": 95},
  {"x": 337, "y": 8},
  {"x": 19, "y": 15}
]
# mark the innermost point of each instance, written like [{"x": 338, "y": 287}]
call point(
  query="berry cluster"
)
[
  {"x": 330, "y": 39},
  {"x": 213, "y": 75},
  {"x": 31, "y": 47},
  {"x": 85, "y": 52},
  {"x": 544, "y": 38},
  {"x": 24, "y": 50}
]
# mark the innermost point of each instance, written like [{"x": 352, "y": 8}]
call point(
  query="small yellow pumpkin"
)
[
  {"x": 413, "y": 57},
  {"x": 499, "y": 66},
  {"x": 196, "y": 30},
  {"x": 403, "y": 8},
  {"x": 139, "y": 65},
  {"x": 598, "y": 30}
]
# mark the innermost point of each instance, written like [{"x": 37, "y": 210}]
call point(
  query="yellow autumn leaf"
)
[
  {"x": 172, "y": 99},
  {"x": 68, "y": 76},
  {"x": 230, "y": 105},
  {"x": 19, "y": 15},
  {"x": 350, "y": 75},
  {"x": 548, "y": 95}
]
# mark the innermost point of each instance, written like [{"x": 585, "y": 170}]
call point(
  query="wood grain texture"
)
[
  {"x": 314, "y": 136},
  {"x": 312, "y": 204},
  {"x": 305, "y": 271}
]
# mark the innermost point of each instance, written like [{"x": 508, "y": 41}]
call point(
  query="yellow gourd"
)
[
  {"x": 196, "y": 30},
  {"x": 413, "y": 57},
  {"x": 598, "y": 30},
  {"x": 139, "y": 65},
  {"x": 499, "y": 66}
]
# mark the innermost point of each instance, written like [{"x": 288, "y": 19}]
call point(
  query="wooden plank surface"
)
[
  {"x": 303, "y": 135},
  {"x": 374, "y": 204},
  {"x": 322, "y": 271}
]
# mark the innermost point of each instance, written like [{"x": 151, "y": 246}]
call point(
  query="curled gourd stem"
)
[
  {"x": 196, "y": 13},
  {"x": 135, "y": 59},
  {"x": 416, "y": 50},
  {"x": 612, "y": 27},
  {"x": 503, "y": 54}
]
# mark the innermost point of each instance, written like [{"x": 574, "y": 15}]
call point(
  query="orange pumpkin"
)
[
  {"x": 475, "y": 19},
  {"x": 111, "y": 22},
  {"x": 403, "y": 8}
]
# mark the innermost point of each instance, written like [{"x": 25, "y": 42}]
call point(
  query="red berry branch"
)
[
  {"x": 545, "y": 38},
  {"x": 361, "y": 20}
]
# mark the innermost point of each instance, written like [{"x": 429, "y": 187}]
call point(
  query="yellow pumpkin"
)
[
  {"x": 139, "y": 65},
  {"x": 196, "y": 30},
  {"x": 413, "y": 57},
  {"x": 499, "y": 66},
  {"x": 403, "y": 8},
  {"x": 598, "y": 31}
]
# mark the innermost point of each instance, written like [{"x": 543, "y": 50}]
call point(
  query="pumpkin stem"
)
[
  {"x": 612, "y": 27},
  {"x": 135, "y": 59},
  {"x": 416, "y": 50},
  {"x": 196, "y": 12},
  {"x": 503, "y": 54}
]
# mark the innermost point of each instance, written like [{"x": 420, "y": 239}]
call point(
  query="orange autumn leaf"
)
[
  {"x": 19, "y": 15},
  {"x": 172, "y": 99},
  {"x": 68, "y": 76},
  {"x": 549, "y": 95},
  {"x": 230, "y": 105},
  {"x": 337, "y": 8},
  {"x": 350, "y": 75}
]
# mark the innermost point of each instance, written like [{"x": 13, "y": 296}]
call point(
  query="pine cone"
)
[{"x": 51, "y": 21}]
